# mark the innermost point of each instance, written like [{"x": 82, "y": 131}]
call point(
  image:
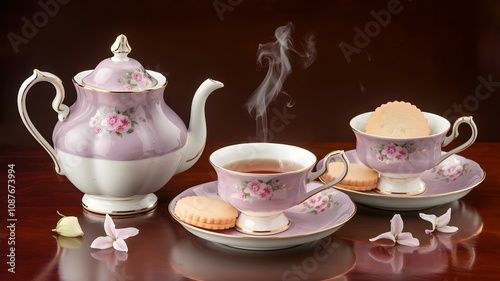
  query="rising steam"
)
[{"x": 275, "y": 55}]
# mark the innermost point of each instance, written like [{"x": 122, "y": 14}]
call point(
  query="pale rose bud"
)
[{"x": 68, "y": 226}]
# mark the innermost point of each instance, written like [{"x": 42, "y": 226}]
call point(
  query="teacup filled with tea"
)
[
  {"x": 262, "y": 180},
  {"x": 401, "y": 142}
]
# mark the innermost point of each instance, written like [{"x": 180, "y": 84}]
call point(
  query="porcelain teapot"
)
[{"x": 119, "y": 142}]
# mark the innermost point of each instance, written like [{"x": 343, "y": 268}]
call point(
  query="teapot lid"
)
[{"x": 120, "y": 73}]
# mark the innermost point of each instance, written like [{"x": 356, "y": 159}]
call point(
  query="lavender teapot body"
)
[{"x": 120, "y": 142}]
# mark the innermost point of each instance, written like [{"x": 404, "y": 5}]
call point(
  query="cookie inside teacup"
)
[{"x": 398, "y": 119}]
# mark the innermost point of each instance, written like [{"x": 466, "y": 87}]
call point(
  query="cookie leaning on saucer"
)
[
  {"x": 206, "y": 212},
  {"x": 359, "y": 177},
  {"x": 398, "y": 119}
]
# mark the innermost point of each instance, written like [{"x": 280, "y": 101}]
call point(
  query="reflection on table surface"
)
[
  {"x": 165, "y": 250},
  {"x": 335, "y": 257},
  {"x": 326, "y": 259},
  {"x": 436, "y": 253}
]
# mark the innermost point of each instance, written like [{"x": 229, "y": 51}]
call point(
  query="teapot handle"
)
[{"x": 61, "y": 109}]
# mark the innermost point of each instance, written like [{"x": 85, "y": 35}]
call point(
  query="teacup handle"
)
[
  {"x": 323, "y": 169},
  {"x": 454, "y": 134},
  {"x": 57, "y": 104}
]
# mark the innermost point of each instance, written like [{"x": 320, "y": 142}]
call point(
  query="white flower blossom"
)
[
  {"x": 439, "y": 223},
  {"x": 115, "y": 237},
  {"x": 396, "y": 234}
]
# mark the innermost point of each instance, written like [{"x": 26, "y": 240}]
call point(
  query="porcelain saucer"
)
[
  {"x": 454, "y": 178},
  {"x": 307, "y": 223}
]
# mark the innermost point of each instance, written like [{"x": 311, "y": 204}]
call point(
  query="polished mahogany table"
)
[{"x": 164, "y": 250}]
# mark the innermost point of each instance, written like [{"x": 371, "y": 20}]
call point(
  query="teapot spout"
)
[{"x": 197, "y": 130}]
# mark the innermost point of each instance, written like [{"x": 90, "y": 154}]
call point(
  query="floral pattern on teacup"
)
[
  {"x": 393, "y": 152},
  {"x": 260, "y": 190},
  {"x": 450, "y": 170},
  {"x": 114, "y": 121},
  {"x": 135, "y": 79},
  {"x": 319, "y": 203}
]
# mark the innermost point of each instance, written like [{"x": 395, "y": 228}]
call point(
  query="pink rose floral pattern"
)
[
  {"x": 319, "y": 203},
  {"x": 114, "y": 122},
  {"x": 135, "y": 79},
  {"x": 450, "y": 170},
  {"x": 393, "y": 152},
  {"x": 259, "y": 190}
]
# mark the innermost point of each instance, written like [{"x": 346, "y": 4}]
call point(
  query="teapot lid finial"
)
[
  {"x": 121, "y": 73},
  {"x": 121, "y": 48}
]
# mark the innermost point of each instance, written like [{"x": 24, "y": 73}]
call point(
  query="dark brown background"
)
[{"x": 431, "y": 53}]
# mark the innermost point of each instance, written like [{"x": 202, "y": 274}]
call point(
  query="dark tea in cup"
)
[{"x": 263, "y": 166}]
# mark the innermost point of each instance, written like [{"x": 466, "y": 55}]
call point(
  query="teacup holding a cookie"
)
[
  {"x": 261, "y": 180},
  {"x": 400, "y": 142}
]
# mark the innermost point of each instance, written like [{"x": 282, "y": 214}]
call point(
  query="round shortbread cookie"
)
[
  {"x": 398, "y": 119},
  {"x": 359, "y": 177},
  {"x": 206, "y": 212}
]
